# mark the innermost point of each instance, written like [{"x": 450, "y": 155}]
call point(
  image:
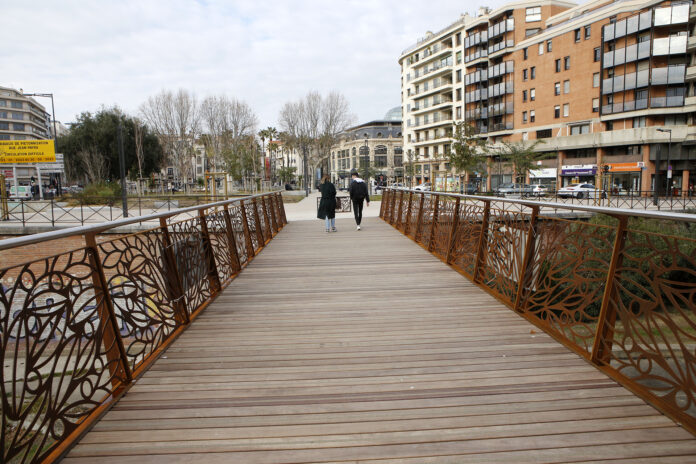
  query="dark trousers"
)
[{"x": 357, "y": 210}]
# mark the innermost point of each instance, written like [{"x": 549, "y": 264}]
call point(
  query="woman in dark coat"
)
[{"x": 327, "y": 204}]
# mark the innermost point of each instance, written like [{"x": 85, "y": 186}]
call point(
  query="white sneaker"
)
[{"x": 358, "y": 227}]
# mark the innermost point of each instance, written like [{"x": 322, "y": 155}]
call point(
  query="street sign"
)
[
  {"x": 8, "y": 173},
  {"x": 27, "y": 151}
]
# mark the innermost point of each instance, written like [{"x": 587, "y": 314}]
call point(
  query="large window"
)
[
  {"x": 533, "y": 14},
  {"x": 557, "y": 111},
  {"x": 532, "y": 72},
  {"x": 580, "y": 129},
  {"x": 532, "y": 94},
  {"x": 16, "y": 104},
  {"x": 381, "y": 150},
  {"x": 18, "y": 127},
  {"x": 557, "y": 88}
]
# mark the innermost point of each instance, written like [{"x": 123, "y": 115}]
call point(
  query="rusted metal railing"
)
[
  {"x": 617, "y": 286},
  {"x": 78, "y": 327}
]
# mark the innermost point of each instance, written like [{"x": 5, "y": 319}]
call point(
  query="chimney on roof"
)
[{"x": 483, "y": 11}]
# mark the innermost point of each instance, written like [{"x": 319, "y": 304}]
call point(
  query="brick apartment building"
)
[{"x": 605, "y": 84}]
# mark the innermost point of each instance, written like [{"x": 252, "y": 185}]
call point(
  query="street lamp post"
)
[
  {"x": 669, "y": 168},
  {"x": 367, "y": 166}
]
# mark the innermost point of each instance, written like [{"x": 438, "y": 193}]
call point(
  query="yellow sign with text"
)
[{"x": 27, "y": 151}]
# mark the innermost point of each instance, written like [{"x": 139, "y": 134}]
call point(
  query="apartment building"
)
[
  {"x": 22, "y": 118},
  {"x": 377, "y": 144},
  {"x": 432, "y": 76},
  {"x": 608, "y": 86}
]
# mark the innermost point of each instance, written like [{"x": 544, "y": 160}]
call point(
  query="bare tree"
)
[
  {"x": 138, "y": 136},
  {"x": 313, "y": 124},
  {"x": 175, "y": 118},
  {"x": 95, "y": 164}
]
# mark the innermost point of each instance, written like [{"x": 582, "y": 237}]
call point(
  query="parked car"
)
[
  {"x": 424, "y": 187},
  {"x": 23, "y": 192},
  {"x": 514, "y": 189},
  {"x": 539, "y": 190},
  {"x": 578, "y": 191},
  {"x": 470, "y": 188}
]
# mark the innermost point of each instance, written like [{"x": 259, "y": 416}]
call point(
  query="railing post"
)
[
  {"x": 174, "y": 280},
  {"x": 453, "y": 232},
  {"x": 408, "y": 213},
  {"x": 111, "y": 336},
  {"x": 234, "y": 255},
  {"x": 213, "y": 275},
  {"x": 601, "y": 348},
  {"x": 483, "y": 240},
  {"x": 269, "y": 229},
  {"x": 400, "y": 210},
  {"x": 391, "y": 209},
  {"x": 281, "y": 208},
  {"x": 526, "y": 269},
  {"x": 257, "y": 224},
  {"x": 53, "y": 216},
  {"x": 247, "y": 231},
  {"x": 436, "y": 210},
  {"x": 419, "y": 221},
  {"x": 385, "y": 197},
  {"x": 274, "y": 213}
]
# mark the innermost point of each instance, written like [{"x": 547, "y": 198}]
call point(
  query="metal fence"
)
[
  {"x": 78, "y": 327},
  {"x": 85, "y": 210},
  {"x": 619, "y": 289}
]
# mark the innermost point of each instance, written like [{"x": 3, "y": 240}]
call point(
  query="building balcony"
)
[
  {"x": 435, "y": 70},
  {"x": 644, "y": 103},
  {"x": 434, "y": 141},
  {"x": 441, "y": 121},
  {"x": 691, "y": 43},
  {"x": 476, "y": 77},
  {"x": 500, "y": 46},
  {"x": 502, "y": 27},
  {"x": 446, "y": 87},
  {"x": 437, "y": 106},
  {"x": 471, "y": 58}
]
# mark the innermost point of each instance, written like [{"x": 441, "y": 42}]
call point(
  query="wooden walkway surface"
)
[{"x": 362, "y": 347}]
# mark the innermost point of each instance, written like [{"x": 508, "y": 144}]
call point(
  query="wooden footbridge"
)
[{"x": 350, "y": 346}]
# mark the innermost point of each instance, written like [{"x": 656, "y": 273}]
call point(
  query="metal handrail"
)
[
  {"x": 590, "y": 209},
  {"x": 102, "y": 226}
]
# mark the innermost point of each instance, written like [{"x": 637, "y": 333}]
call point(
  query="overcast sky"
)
[{"x": 264, "y": 52}]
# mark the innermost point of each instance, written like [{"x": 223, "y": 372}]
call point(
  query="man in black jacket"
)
[{"x": 358, "y": 193}]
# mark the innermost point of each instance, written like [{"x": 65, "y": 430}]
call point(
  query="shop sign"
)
[
  {"x": 626, "y": 167},
  {"x": 579, "y": 170},
  {"x": 542, "y": 173}
]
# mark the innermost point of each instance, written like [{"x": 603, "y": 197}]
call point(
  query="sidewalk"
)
[{"x": 306, "y": 209}]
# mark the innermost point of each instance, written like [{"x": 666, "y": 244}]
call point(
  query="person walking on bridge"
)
[
  {"x": 358, "y": 194},
  {"x": 327, "y": 204}
]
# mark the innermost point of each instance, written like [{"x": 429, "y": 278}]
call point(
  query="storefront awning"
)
[
  {"x": 626, "y": 167},
  {"x": 579, "y": 170}
]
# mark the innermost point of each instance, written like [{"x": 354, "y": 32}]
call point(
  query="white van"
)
[{"x": 23, "y": 193}]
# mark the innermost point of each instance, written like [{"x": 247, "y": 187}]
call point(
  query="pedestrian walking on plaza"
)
[
  {"x": 358, "y": 194},
  {"x": 327, "y": 204}
]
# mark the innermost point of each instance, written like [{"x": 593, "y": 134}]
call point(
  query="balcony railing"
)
[
  {"x": 79, "y": 326},
  {"x": 502, "y": 27},
  {"x": 500, "y": 46},
  {"x": 644, "y": 103}
]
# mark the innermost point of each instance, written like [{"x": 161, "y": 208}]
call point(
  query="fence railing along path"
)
[
  {"x": 619, "y": 289},
  {"x": 77, "y": 328}
]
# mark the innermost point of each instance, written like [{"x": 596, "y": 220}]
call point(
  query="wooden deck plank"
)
[{"x": 361, "y": 346}]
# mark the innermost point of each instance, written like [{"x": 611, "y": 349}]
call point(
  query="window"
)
[
  {"x": 595, "y": 80},
  {"x": 675, "y": 120},
  {"x": 4, "y": 126},
  {"x": 459, "y": 75},
  {"x": 3, "y": 114},
  {"x": 544, "y": 134},
  {"x": 533, "y": 72},
  {"x": 18, "y": 127},
  {"x": 18, "y": 116},
  {"x": 609, "y": 125},
  {"x": 588, "y": 31},
  {"x": 459, "y": 94},
  {"x": 566, "y": 86},
  {"x": 531, "y": 32},
  {"x": 549, "y": 46},
  {"x": 524, "y": 74},
  {"x": 16, "y": 104},
  {"x": 3, "y": 102},
  {"x": 597, "y": 54},
  {"x": 557, "y": 88},
  {"x": 558, "y": 65},
  {"x": 532, "y": 115},
  {"x": 566, "y": 110},
  {"x": 595, "y": 105},
  {"x": 459, "y": 57},
  {"x": 639, "y": 122},
  {"x": 541, "y": 49},
  {"x": 525, "y": 53},
  {"x": 533, "y": 14},
  {"x": 641, "y": 94},
  {"x": 566, "y": 63},
  {"x": 532, "y": 94},
  {"x": 524, "y": 116},
  {"x": 577, "y": 35},
  {"x": 459, "y": 38},
  {"x": 524, "y": 95},
  {"x": 633, "y": 150},
  {"x": 557, "y": 111},
  {"x": 459, "y": 112},
  {"x": 577, "y": 130}
]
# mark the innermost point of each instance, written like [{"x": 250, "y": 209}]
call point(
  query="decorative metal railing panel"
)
[
  {"x": 616, "y": 286},
  {"x": 76, "y": 328}
]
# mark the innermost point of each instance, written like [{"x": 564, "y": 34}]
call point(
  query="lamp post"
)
[
  {"x": 367, "y": 166},
  {"x": 669, "y": 168},
  {"x": 53, "y": 113}
]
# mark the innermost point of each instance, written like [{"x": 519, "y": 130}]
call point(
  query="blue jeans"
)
[{"x": 332, "y": 223}]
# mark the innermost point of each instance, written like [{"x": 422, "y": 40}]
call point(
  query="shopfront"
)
[
  {"x": 578, "y": 174},
  {"x": 625, "y": 178},
  {"x": 545, "y": 176}
]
